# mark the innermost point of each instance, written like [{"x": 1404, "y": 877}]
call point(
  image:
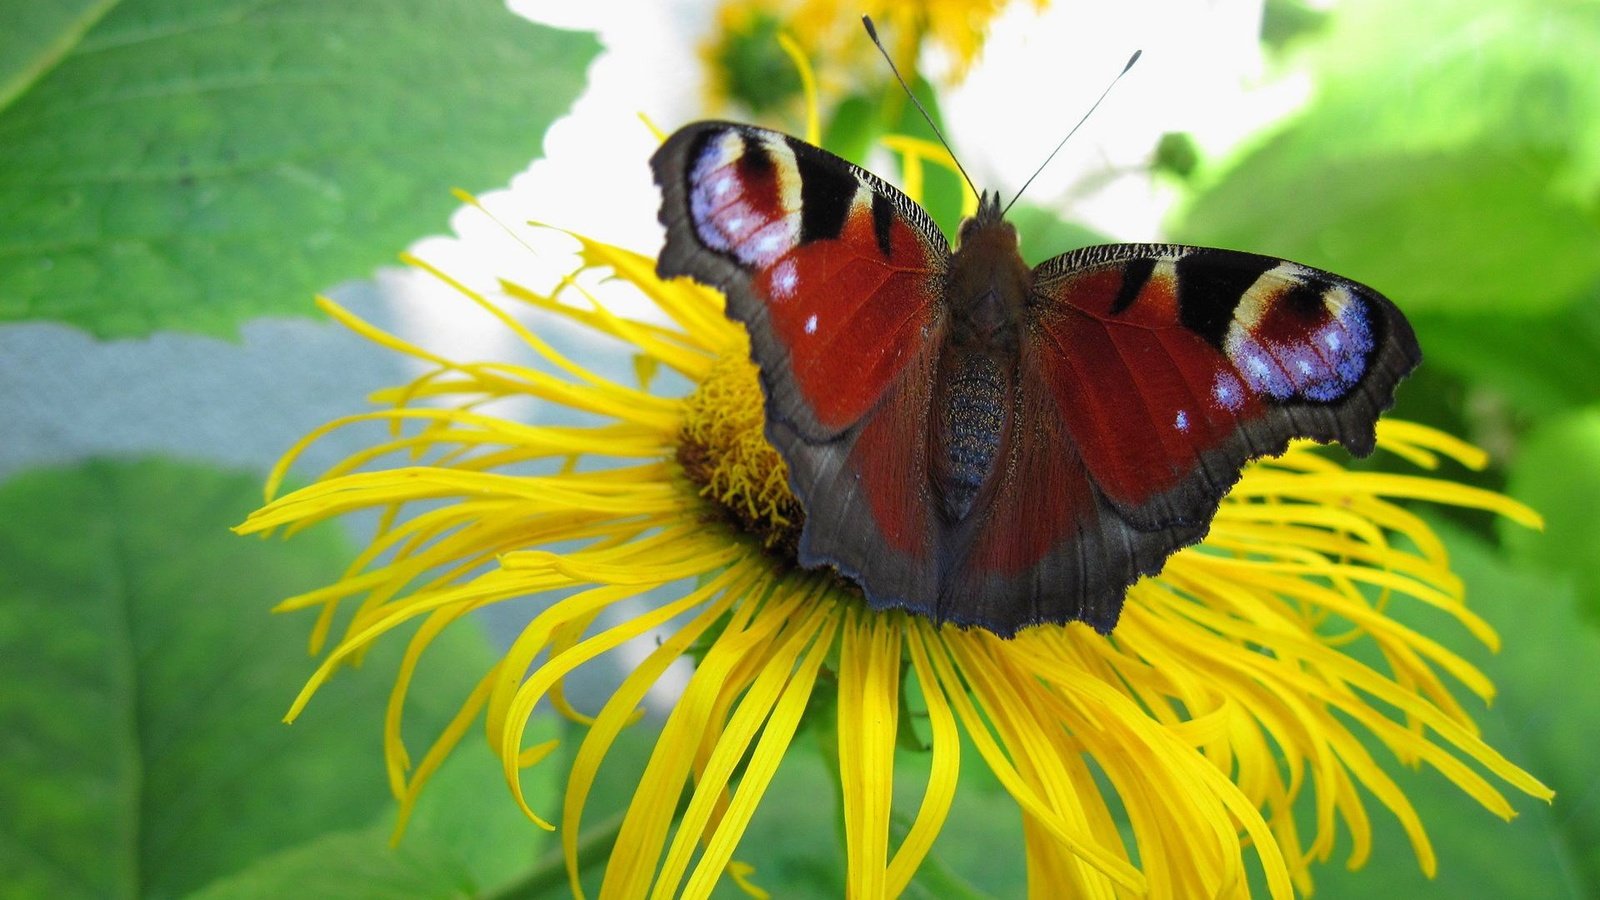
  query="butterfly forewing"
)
[
  {"x": 834, "y": 272},
  {"x": 837, "y": 275}
]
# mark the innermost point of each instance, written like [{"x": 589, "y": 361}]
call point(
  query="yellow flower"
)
[
  {"x": 1155, "y": 761},
  {"x": 744, "y": 64}
]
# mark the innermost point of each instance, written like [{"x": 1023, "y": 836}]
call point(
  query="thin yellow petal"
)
[
  {"x": 756, "y": 626},
  {"x": 760, "y": 703},
  {"x": 868, "y": 714},
  {"x": 769, "y": 751},
  {"x": 944, "y": 771},
  {"x": 1081, "y": 845}
]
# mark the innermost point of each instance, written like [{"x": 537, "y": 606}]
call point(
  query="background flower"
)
[{"x": 748, "y": 68}]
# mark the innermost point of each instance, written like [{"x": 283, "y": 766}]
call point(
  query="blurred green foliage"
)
[
  {"x": 144, "y": 753},
  {"x": 753, "y": 68},
  {"x": 190, "y": 164}
]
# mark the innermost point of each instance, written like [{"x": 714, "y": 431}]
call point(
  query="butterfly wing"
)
[
  {"x": 1044, "y": 544},
  {"x": 837, "y": 276},
  {"x": 1158, "y": 370},
  {"x": 1173, "y": 365}
]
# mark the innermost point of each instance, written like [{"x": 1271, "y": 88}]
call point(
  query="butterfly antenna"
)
[
  {"x": 1131, "y": 60},
  {"x": 873, "y": 33}
]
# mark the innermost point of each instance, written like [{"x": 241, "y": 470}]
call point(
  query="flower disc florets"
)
[{"x": 724, "y": 450}]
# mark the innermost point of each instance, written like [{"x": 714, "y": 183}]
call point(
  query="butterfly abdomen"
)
[{"x": 975, "y": 388}]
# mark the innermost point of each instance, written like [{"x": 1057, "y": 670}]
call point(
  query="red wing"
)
[
  {"x": 838, "y": 277},
  {"x": 1047, "y": 546},
  {"x": 866, "y": 497},
  {"x": 1172, "y": 366},
  {"x": 836, "y": 274},
  {"x": 1148, "y": 375}
]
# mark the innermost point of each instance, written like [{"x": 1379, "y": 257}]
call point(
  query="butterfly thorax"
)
[
  {"x": 987, "y": 293},
  {"x": 988, "y": 284}
]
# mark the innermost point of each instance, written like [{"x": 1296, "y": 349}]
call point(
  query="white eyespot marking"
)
[
  {"x": 784, "y": 280},
  {"x": 1304, "y": 366},
  {"x": 1182, "y": 421},
  {"x": 811, "y": 324},
  {"x": 724, "y": 185},
  {"x": 1332, "y": 340},
  {"x": 768, "y": 241},
  {"x": 1227, "y": 391},
  {"x": 732, "y": 226},
  {"x": 771, "y": 242}
]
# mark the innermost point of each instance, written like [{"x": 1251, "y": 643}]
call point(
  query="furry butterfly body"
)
[{"x": 991, "y": 444}]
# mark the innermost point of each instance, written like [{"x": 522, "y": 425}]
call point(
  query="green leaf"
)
[
  {"x": 860, "y": 123},
  {"x": 142, "y": 751},
  {"x": 943, "y": 188},
  {"x": 467, "y": 816},
  {"x": 35, "y": 37},
  {"x": 1501, "y": 73},
  {"x": 1044, "y": 234},
  {"x": 1542, "y": 719},
  {"x": 465, "y": 837},
  {"x": 853, "y": 128},
  {"x": 1540, "y": 365},
  {"x": 1557, "y": 472},
  {"x": 354, "y": 864},
  {"x": 1475, "y": 231},
  {"x": 1461, "y": 177},
  {"x": 191, "y": 164},
  {"x": 794, "y": 839}
]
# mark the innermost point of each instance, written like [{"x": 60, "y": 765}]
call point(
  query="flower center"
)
[{"x": 723, "y": 449}]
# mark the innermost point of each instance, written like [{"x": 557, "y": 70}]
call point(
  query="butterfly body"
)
[
  {"x": 996, "y": 445},
  {"x": 987, "y": 286}
]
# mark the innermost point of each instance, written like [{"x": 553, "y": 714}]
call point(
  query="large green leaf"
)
[
  {"x": 192, "y": 163},
  {"x": 795, "y": 846},
  {"x": 1544, "y": 719},
  {"x": 1470, "y": 231},
  {"x": 350, "y": 864},
  {"x": 141, "y": 747},
  {"x": 35, "y": 37},
  {"x": 1044, "y": 234},
  {"x": 1540, "y": 365},
  {"x": 1448, "y": 158},
  {"x": 1557, "y": 472},
  {"x": 861, "y": 121},
  {"x": 467, "y": 839}
]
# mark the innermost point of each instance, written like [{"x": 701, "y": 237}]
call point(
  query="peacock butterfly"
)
[{"x": 992, "y": 445}]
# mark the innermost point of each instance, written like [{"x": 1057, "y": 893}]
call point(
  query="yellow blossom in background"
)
[
  {"x": 744, "y": 64},
  {"x": 1163, "y": 760}
]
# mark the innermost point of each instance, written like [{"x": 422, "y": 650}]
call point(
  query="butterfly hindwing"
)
[
  {"x": 1044, "y": 545},
  {"x": 837, "y": 276}
]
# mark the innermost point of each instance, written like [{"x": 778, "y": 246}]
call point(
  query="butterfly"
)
[{"x": 994, "y": 445}]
